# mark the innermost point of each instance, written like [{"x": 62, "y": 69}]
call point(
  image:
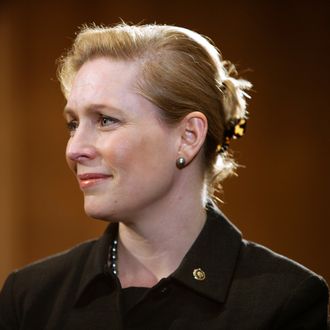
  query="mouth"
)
[{"x": 90, "y": 179}]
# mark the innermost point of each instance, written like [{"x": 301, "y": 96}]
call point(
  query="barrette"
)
[{"x": 236, "y": 129}]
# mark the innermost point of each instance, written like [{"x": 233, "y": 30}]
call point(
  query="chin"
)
[
  {"x": 98, "y": 211},
  {"x": 98, "y": 216}
]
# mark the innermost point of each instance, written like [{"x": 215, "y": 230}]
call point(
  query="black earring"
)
[{"x": 180, "y": 162}]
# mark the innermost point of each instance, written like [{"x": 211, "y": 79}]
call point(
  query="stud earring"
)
[{"x": 180, "y": 162}]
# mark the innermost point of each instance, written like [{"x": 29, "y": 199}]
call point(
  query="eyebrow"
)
[{"x": 91, "y": 108}]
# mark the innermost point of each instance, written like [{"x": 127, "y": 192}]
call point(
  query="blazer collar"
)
[
  {"x": 95, "y": 267},
  {"x": 215, "y": 252}
]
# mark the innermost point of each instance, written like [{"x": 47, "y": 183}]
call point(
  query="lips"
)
[{"x": 87, "y": 180}]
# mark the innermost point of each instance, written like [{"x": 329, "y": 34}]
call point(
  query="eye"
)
[
  {"x": 105, "y": 121},
  {"x": 72, "y": 125}
]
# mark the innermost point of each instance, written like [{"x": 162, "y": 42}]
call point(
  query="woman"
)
[{"x": 151, "y": 111}]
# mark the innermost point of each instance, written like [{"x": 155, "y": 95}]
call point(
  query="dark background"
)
[{"x": 281, "y": 197}]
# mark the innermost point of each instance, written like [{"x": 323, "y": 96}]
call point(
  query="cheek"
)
[
  {"x": 132, "y": 155},
  {"x": 153, "y": 154},
  {"x": 120, "y": 149},
  {"x": 145, "y": 149}
]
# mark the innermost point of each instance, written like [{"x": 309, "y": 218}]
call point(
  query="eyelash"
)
[
  {"x": 73, "y": 124},
  {"x": 111, "y": 119}
]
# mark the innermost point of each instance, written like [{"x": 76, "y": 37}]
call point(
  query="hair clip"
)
[{"x": 235, "y": 130}]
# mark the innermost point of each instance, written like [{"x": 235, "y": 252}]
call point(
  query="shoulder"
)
[
  {"x": 259, "y": 275},
  {"x": 258, "y": 258},
  {"x": 258, "y": 261},
  {"x": 35, "y": 287},
  {"x": 253, "y": 261},
  {"x": 50, "y": 271},
  {"x": 57, "y": 264},
  {"x": 278, "y": 284},
  {"x": 45, "y": 275}
]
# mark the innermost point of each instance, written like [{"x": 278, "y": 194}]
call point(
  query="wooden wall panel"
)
[
  {"x": 280, "y": 198},
  {"x": 10, "y": 243}
]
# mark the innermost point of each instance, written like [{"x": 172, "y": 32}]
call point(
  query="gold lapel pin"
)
[{"x": 199, "y": 274}]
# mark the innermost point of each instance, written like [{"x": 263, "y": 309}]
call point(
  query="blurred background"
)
[{"x": 281, "y": 196}]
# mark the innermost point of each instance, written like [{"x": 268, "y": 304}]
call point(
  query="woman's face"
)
[{"x": 122, "y": 154}]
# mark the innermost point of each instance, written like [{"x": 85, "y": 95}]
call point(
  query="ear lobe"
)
[{"x": 194, "y": 129}]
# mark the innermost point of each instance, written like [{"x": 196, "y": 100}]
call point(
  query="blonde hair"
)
[{"x": 181, "y": 71}]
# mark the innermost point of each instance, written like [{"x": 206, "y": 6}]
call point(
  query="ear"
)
[{"x": 193, "y": 129}]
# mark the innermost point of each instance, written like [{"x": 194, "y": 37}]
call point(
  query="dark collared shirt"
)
[{"x": 224, "y": 282}]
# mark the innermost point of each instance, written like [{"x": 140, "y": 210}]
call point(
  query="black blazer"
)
[{"x": 246, "y": 286}]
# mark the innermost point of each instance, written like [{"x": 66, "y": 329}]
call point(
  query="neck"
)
[{"x": 153, "y": 246}]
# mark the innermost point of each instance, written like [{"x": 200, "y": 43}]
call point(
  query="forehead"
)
[
  {"x": 111, "y": 84},
  {"x": 101, "y": 79}
]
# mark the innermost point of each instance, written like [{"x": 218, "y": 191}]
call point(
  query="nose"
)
[{"x": 80, "y": 147}]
